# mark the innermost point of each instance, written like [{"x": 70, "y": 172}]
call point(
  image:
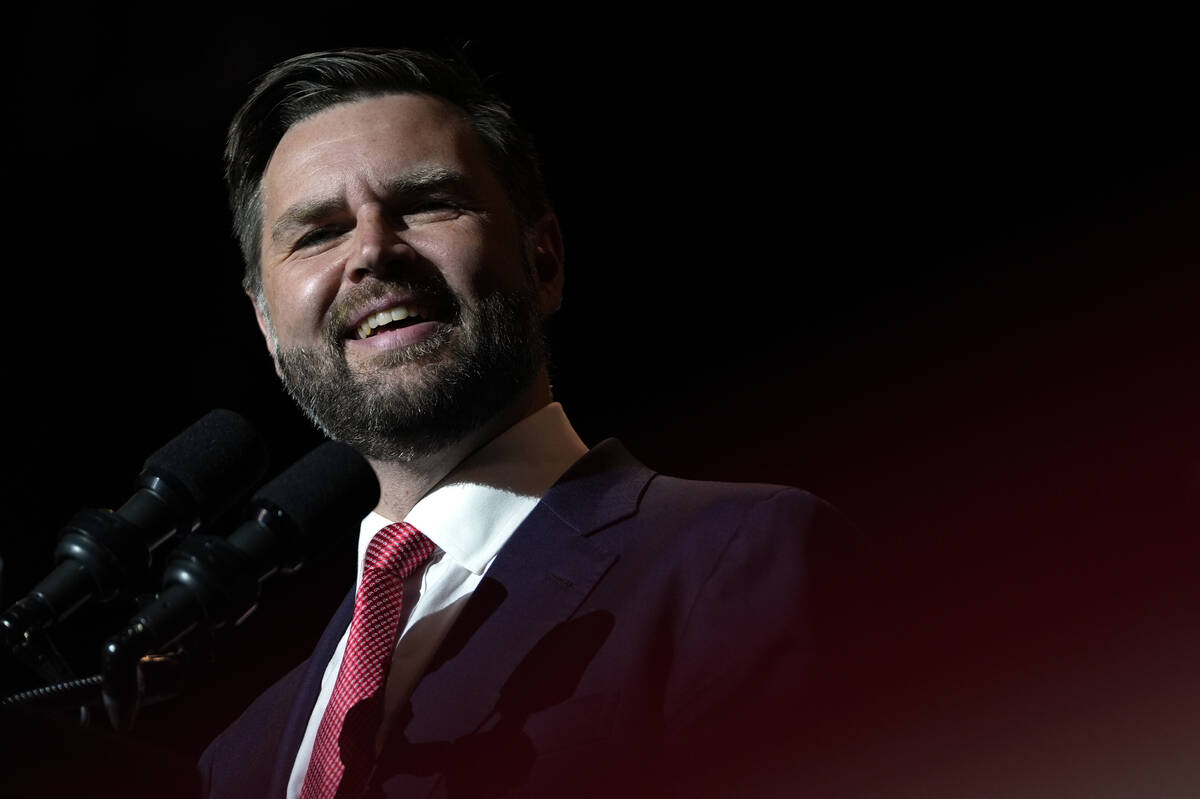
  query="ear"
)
[
  {"x": 261, "y": 317},
  {"x": 548, "y": 263}
]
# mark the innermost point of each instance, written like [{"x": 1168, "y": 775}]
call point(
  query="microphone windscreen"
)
[
  {"x": 217, "y": 461},
  {"x": 329, "y": 489}
]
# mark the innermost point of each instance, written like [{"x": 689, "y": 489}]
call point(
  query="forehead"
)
[{"x": 364, "y": 144}]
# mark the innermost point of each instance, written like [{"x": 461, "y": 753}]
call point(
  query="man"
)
[{"x": 566, "y": 619}]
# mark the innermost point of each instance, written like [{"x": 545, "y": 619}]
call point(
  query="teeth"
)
[{"x": 397, "y": 314}]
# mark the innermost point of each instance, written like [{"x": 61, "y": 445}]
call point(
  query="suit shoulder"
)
[{"x": 731, "y": 505}]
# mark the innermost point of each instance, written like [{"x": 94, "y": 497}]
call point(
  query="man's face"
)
[{"x": 402, "y": 298}]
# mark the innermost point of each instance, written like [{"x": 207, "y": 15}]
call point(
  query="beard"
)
[{"x": 466, "y": 373}]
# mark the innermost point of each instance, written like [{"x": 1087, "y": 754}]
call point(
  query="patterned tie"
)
[{"x": 346, "y": 738}]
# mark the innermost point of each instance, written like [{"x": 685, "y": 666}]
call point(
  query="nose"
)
[{"x": 377, "y": 248}]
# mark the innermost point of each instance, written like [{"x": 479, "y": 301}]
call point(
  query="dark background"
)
[{"x": 941, "y": 272}]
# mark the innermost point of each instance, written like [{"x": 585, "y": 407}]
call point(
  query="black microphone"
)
[
  {"x": 193, "y": 479},
  {"x": 214, "y": 581}
]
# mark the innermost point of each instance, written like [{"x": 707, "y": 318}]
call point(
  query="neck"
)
[{"x": 403, "y": 483}]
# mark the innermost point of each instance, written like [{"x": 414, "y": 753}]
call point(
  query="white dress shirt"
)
[{"x": 469, "y": 516}]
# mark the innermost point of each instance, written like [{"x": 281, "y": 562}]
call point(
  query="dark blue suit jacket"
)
[{"x": 628, "y": 618}]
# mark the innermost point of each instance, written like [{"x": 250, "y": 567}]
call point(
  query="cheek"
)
[{"x": 299, "y": 299}]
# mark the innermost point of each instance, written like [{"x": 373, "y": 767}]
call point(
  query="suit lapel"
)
[
  {"x": 305, "y": 695},
  {"x": 542, "y": 574}
]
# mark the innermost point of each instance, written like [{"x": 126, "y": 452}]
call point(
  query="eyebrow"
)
[{"x": 419, "y": 181}]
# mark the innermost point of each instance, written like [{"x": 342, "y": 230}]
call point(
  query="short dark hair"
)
[{"x": 302, "y": 86}]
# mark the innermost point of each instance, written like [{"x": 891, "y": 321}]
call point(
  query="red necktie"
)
[{"x": 346, "y": 737}]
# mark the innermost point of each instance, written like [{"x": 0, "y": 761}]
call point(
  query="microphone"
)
[
  {"x": 214, "y": 581},
  {"x": 193, "y": 479}
]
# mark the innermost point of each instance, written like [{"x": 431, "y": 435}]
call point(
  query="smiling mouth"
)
[{"x": 394, "y": 318}]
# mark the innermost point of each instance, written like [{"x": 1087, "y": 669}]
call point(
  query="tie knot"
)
[{"x": 398, "y": 548}]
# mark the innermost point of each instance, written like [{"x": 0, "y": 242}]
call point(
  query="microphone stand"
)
[{"x": 207, "y": 583}]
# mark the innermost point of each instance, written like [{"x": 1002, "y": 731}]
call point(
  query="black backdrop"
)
[{"x": 943, "y": 273}]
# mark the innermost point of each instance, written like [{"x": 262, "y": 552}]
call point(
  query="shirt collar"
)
[{"x": 472, "y": 512}]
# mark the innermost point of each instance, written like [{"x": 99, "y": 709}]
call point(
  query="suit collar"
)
[{"x": 601, "y": 488}]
